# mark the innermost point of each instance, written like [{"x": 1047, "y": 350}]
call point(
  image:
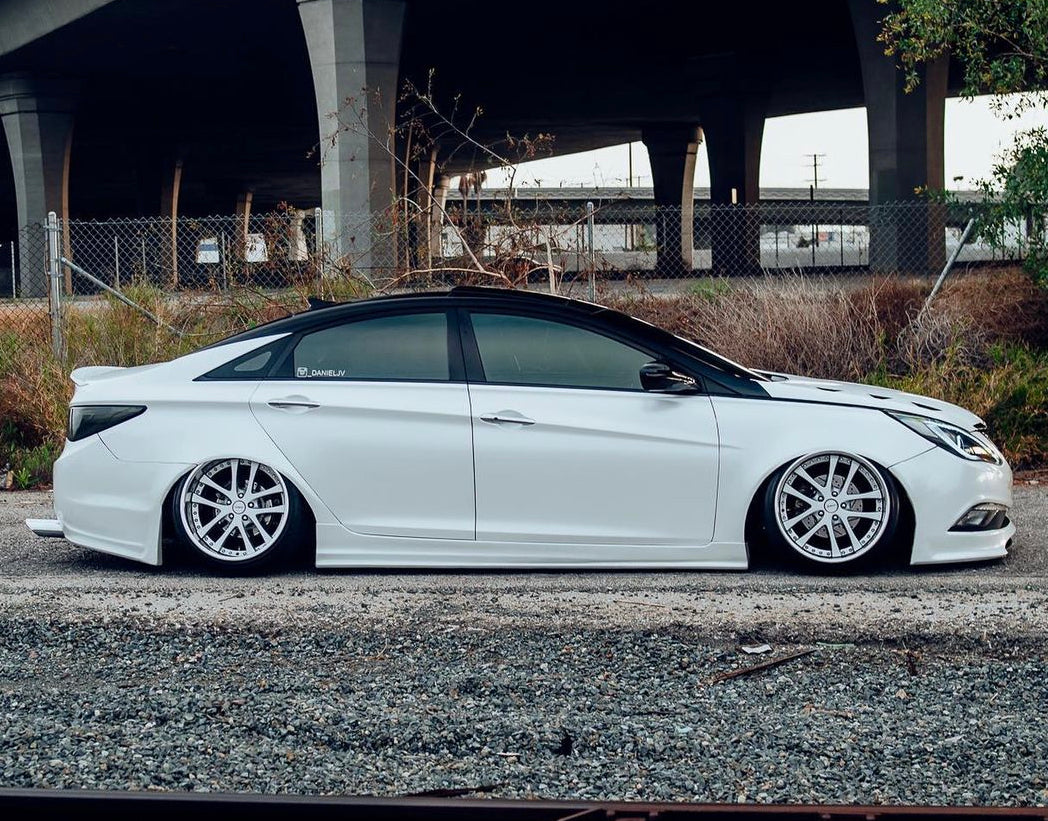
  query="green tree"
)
[{"x": 1002, "y": 46}]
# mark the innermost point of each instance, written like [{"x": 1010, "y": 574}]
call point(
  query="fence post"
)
[
  {"x": 116, "y": 261},
  {"x": 55, "y": 274},
  {"x": 318, "y": 246},
  {"x": 14, "y": 280},
  {"x": 592, "y": 259}
]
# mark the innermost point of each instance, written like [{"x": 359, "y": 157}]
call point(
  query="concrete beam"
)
[
  {"x": 23, "y": 21},
  {"x": 671, "y": 149},
  {"x": 906, "y": 136},
  {"x": 37, "y": 117},
  {"x": 354, "y": 52}
]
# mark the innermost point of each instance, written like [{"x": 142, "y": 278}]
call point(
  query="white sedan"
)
[{"x": 493, "y": 428}]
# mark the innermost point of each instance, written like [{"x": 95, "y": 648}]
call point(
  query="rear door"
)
[
  {"x": 569, "y": 449},
  {"x": 374, "y": 414}
]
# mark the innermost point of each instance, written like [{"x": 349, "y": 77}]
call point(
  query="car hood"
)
[{"x": 827, "y": 391}]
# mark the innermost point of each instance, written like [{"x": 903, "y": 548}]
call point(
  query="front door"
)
[{"x": 569, "y": 449}]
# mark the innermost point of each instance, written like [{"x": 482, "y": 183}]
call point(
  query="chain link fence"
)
[{"x": 48, "y": 274}]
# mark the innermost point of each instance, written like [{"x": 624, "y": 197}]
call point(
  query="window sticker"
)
[{"x": 303, "y": 372}]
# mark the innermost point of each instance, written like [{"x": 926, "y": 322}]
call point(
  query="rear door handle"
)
[
  {"x": 293, "y": 403},
  {"x": 506, "y": 417}
]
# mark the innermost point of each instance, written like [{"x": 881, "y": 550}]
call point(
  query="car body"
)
[{"x": 492, "y": 428}]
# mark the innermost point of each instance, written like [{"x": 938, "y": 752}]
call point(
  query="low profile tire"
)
[
  {"x": 829, "y": 510},
  {"x": 237, "y": 514}
]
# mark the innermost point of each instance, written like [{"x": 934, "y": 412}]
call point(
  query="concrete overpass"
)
[{"x": 183, "y": 107}]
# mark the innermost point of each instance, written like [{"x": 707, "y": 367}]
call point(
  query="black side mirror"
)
[{"x": 658, "y": 377}]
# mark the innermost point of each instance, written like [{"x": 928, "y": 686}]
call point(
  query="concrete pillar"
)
[
  {"x": 354, "y": 52},
  {"x": 243, "y": 215},
  {"x": 734, "y": 131},
  {"x": 171, "y": 187},
  {"x": 671, "y": 150},
  {"x": 37, "y": 117},
  {"x": 905, "y": 133}
]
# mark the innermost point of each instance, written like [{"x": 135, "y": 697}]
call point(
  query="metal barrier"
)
[
  {"x": 131, "y": 805},
  {"x": 67, "y": 263}
]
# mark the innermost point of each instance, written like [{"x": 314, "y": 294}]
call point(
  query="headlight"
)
[
  {"x": 966, "y": 444},
  {"x": 86, "y": 420}
]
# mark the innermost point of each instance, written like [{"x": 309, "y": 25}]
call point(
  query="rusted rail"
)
[{"x": 116, "y": 806}]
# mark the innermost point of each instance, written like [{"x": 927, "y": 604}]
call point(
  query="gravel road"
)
[{"x": 924, "y": 686}]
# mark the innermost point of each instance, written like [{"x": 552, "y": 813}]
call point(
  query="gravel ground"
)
[{"x": 924, "y": 687}]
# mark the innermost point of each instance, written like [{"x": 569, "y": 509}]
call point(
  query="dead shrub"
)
[{"x": 1006, "y": 305}]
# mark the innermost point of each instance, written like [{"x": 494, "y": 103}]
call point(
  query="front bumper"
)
[
  {"x": 110, "y": 505},
  {"x": 942, "y": 487}
]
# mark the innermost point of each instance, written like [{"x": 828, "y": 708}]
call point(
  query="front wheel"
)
[
  {"x": 831, "y": 509},
  {"x": 237, "y": 514}
]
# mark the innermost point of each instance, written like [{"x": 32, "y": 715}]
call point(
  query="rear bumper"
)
[
  {"x": 942, "y": 488},
  {"x": 109, "y": 505}
]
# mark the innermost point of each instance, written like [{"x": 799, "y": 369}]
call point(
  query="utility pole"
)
[
  {"x": 815, "y": 169},
  {"x": 814, "y": 187}
]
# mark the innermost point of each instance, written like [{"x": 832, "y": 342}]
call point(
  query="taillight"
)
[{"x": 87, "y": 420}]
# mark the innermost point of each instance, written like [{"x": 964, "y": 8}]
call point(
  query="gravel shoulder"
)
[{"x": 924, "y": 686}]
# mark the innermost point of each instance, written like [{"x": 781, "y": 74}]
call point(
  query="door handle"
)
[
  {"x": 506, "y": 417},
  {"x": 292, "y": 403}
]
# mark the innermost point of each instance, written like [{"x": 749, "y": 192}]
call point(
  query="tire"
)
[
  {"x": 831, "y": 510},
  {"x": 238, "y": 515}
]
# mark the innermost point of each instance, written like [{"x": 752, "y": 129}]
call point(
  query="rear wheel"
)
[
  {"x": 237, "y": 513},
  {"x": 831, "y": 509}
]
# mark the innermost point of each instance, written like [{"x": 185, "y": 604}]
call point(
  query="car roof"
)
[{"x": 321, "y": 311}]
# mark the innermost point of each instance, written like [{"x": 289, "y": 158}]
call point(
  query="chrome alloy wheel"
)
[
  {"x": 234, "y": 509},
  {"x": 832, "y": 507}
]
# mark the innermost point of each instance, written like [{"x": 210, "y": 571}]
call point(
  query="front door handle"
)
[
  {"x": 293, "y": 403},
  {"x": 506, "y": 417}
]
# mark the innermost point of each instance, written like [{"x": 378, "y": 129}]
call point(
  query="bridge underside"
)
[{"x": 190, "y": 108}]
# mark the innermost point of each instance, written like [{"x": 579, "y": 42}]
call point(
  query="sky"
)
[{"x": 974, "y": 135}]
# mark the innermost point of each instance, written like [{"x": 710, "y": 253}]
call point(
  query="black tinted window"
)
[
  {"x": 411, "y": 346},
  {"x": 527, "y": 351}
]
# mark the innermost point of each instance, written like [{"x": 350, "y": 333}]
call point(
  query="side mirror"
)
[{"x": 658, "y": 377}]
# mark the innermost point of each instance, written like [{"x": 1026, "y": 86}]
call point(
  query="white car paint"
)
[
  {"x": 405, "y": 474},
  {"x": 596, "y": 468}
]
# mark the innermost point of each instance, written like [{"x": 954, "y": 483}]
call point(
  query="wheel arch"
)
[
  {"x": 168, "y": 534},
  {"x": 753, "y": 525}
]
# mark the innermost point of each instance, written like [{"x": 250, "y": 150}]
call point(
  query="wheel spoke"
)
[
  {"x": 851, "y": 475},
  {"x": 251, "y": 477},
  {"x": 789, "y": 524},
  {"x": 834, "y": 459},
  {"x": 872, "y": 494},
  {"x": 863, "y": 514},
  {"x": 221, "y": 540},
  {"x": 196, "y": 498},
  {"x": 206, "y": 480},
  {"x": 852, "y": 538},
  {"x": 257, "y": 522},
  {"x": 807, "y": 478},
  {"x": 807, "y": 536},
  {"x": 835, "y": 550},
  {"x": 260, "y": 511},
  {"x": 248, "y": 544},
  {"x": 263, "y": 493},
  {"x": 234, "y": 469},
  {"x": 794, "y": 492}
]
